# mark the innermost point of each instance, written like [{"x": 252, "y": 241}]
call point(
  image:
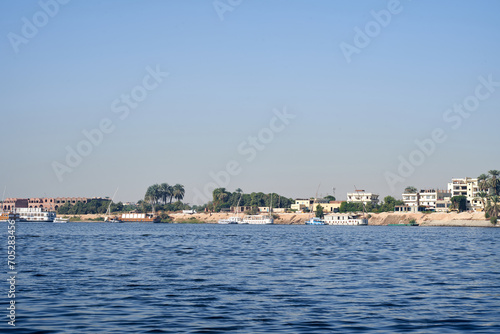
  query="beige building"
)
[
  {"x": 332, "y": 206},
  {"x": 301, "y": 204}
]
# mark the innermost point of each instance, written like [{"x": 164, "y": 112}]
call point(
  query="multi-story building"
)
[
  {"x": 411, "y": 199},
  {"x": 429, "y": 198},
  {"x": 360, "y": 196},
  {"x": 426, "y": 199},
  {"x": 9, "y": 204},
  {"x": 45, "y": 203},
  {"x": 467, "y": 187}
]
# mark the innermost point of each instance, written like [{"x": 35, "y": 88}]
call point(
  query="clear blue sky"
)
[{"x": 353, "y": 120}]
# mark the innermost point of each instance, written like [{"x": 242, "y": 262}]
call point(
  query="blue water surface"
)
[{"x": 206, "y": 278}]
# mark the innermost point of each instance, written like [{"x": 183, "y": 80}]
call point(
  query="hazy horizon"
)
[{"x": 264, "y": 96}]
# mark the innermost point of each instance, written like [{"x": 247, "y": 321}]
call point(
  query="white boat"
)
[
  {"x": 258, "y": 219},
  {"x": 315, "y": 221},
  {"x": 231, "y": 220},
  {"x": 35, "y": 215},
  {"x": 345, "y": 219},
  {"x": 109, "y": 218},
  {"x": 61, "y": 220}
]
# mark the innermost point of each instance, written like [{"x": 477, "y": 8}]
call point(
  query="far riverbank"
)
[{"x": 472, "y": 219}]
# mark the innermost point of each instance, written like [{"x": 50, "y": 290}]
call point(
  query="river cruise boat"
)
[
  {"x": 345, "y": 219},
  {"x": 258, "y": 220},
  {"x": 139, "y": 218},
  {"x": 35, "y": 215},
  {"x": 231, "y": 220},
  {"x": 315, "y": 221}
]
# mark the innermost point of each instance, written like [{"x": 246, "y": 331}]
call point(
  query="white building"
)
[
  {"x": 360, "y": 196},
  {"x": 428, "y": 199},
  {"x": 467, "y": 187},
  {"x": 411, "y": 199}
]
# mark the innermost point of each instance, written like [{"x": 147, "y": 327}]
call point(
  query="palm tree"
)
[
  {"x": 410, "y": 190},
  {"x": 482, "y": 195},
  {"x": 493, "y": 207},
  {"x": 178, "y": 191},
  {"x": 482, "y": 182},
  {"x": 153, "y": 194},
  {"x": 164, "y": 192},
  {"x": 219, "y": 195},
  {"x": 494, "y": 181}
]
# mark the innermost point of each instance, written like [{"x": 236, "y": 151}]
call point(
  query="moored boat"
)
[
  {"x": 231, "y": 220},
  {"x": 315, "y": 221},
  {"x": 6, "y": 216},
  {"x": 403, "y": 224},
  {"x": 61, "y": 220},
  {"x": 139, "y": 218},
  {"x": 258, "y": 220},
  {"x": 345, "y": 219},
  {"x": 35, "y": 215}
]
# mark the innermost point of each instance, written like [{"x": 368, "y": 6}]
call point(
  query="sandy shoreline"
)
[{"x": 471, "y": 219}]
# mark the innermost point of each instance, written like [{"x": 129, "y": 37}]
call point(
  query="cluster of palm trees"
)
[
  {"x": 163, "y": 193},
  {"x": 489, "y": 193}
]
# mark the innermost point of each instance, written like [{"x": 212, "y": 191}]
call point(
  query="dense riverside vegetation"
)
[
  {"x": 92, "y": 207},
  {"x": 386, "y": 206},
  {"x": 223, "y": 199},
  {"x": 159, "y": 197}
]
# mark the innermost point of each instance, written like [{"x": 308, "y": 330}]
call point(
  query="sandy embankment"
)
[
  {"x": 431, "y": 219},
  {"x": 385, "y": 218}
]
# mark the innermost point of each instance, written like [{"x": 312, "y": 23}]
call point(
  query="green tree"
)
[
  {"x": 319, "y": 211},
  {"x": 459, "y": 203},
  {"x": 494, "y": 184},
  {"x": 178, "y": 192},
  {"x": 329, "y": 198},
  {"x": 482, "y": 196},
  {"x": 482, "y": 182},
  {"x": 410, "y": 190},
  {"x": 493, "y": 208},
  {"x": 165, "y": 192}
]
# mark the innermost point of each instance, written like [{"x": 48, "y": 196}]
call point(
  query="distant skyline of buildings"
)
[{"x": 434, "y": 199}]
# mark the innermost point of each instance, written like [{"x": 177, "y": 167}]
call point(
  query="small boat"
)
[
  {"x": 109, "y": 218},
  {"x": 315, "y": 221},
  {"x": 6, "y": 216},
  {"x": 403, "y": 224},
  {"x": 112, "y": 220},
  {"x": 61, "y": 220}
]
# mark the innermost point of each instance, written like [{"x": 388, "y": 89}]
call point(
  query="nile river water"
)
[{"x": 180, "y": 278}]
